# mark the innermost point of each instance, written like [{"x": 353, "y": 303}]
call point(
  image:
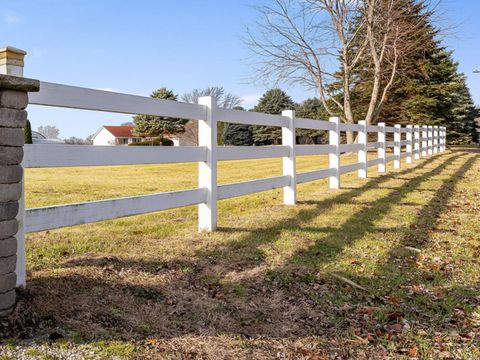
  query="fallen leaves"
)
[
  {"x": 365, "y": 310},
  {"x": 413, "y": 351}
]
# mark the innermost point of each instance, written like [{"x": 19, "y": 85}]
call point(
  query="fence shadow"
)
[{"x": 129, "y": 299}]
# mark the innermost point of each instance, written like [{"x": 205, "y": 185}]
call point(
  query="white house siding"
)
[{"x": 104, "y": 137}]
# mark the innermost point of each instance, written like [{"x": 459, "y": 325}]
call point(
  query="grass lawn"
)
[{"x": 386, "y": 267}]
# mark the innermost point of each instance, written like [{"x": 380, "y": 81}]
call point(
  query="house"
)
[
  {"x": 109, "y": 135},
  {"x": 115, "y": 135}
]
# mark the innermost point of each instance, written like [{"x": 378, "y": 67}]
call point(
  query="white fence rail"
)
[{"x": 419, "y": 142}]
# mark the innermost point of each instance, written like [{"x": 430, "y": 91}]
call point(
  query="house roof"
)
[{"x": 120, "y": 131}]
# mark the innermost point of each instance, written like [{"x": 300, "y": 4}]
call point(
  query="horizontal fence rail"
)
[
  {"x": 250, "y": 118},
  {"x": 410, "y": 142},
  {"x": 47, "y": 155},
  {"x": 251, "y": 152},
  {"x": 253, "y": 186},
  {"x": 54, "y": 217},
  {"x": 73, "y": 97}
]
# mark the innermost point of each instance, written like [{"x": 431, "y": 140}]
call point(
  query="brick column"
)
[{"x": 13, "y": 100}]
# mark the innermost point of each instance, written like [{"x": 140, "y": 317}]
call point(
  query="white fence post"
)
[
  {"x": 362, "y": 153},
  {"x": 334, "y": 158},
  {"x": 397, "y": 147},
  {"x": 424, "y": 141},
  {"x": 435, "y": 139},
  {"x": 382, "y": 149},
  {"x": 289, "y": 162},
  {"x": 429, "y": 140},
  {"x": 416, "y": 142},
  {"x": 440, "y": 139},
  {"x": 444, "y": 138},
  {"x": 409, "y": 144},
  {"x": 207, "y": 171}
]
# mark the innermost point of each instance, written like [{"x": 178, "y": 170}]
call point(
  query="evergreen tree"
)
[
  {"x": 428, "y": 89},
  {"x": 311, "y": 109},
  {"x": 28, "y": 133},
  {"x": 237, "y": 134},
  {"x": 461, "y": 121},
  {"x": 436, "y": 95},
  {"x": 274, "y": 101},
  {"x": 158, "y": 126}
]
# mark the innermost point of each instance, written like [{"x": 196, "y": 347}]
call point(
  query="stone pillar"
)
[{"x": 13, "y": 100}]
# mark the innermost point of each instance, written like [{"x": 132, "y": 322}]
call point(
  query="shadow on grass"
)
[
  {"x": 353, "y": 228},
  {"x": 230, "y": 290}
]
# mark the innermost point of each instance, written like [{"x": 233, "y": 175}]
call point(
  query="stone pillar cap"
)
[
  {"x": 12, "y": 49},
  {"x": 11, "y": 61}
]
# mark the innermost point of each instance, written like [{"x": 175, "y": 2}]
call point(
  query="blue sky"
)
[{"x": 136, "y": 46}]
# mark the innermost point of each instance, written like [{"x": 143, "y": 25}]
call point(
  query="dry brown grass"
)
[{"x": 260, "y": 287}]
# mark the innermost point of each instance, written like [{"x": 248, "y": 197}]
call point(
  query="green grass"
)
[{"x": 267, "y": 281}]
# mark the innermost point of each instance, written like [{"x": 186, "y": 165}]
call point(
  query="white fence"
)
[{"x": 417, "y": 141}]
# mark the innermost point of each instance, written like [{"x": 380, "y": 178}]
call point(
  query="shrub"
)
[
  {"x": 28, "y": 133},
  {"x": 154, "y": 142}
]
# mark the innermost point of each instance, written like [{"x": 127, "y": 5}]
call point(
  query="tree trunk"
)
[{"x": 350, "y": 137}]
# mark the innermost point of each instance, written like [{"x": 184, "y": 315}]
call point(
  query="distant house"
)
[
  {"x": 122, "y": 135},
  {"x": 115, "y": 135}
]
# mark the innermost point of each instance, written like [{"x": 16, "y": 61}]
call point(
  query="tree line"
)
[{"x": 373, "y": 60}]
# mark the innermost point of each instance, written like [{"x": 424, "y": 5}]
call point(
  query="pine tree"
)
[
  {"x": 158, "y": 126},
  {"x": 428, "y": 90},
  {"x": 28, "y": 133},
  {"x": 274, "y": 101},
  {"x": 311, "y": 109},
  {"x": 438, "y": 95},
  {"x": 461, "y": 122},
  {"x": 237, "y": 134}
]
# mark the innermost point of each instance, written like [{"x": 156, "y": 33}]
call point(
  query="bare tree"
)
[
  {"x": 190, "y": 136},
  {"x": 75, "y": 141},
  {"x": 49, "y": 131},
  {"x": 78, "y": 141},
  {"x": 224, "y": 100},
  {"x": 89, "y": 139},
  {"x": 320, "y": 44}
]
